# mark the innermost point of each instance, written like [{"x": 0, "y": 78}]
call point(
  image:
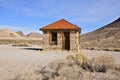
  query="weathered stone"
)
[
  {"x": 61, "y": 35},
  {"x": 74, "y": 41}
]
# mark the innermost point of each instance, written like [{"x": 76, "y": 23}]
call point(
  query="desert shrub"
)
[
  {"x": 112, "y": 49},
  {"x": 78, "y": 58},
  {"x": 77, "y": 67},
  {"x": 21, "y": 44},
  {"x": 27, "y": 74},
  {"x": 107, "y": 60},
  {"x": 70, "y": 57},
  {"x": 106, "y": 49},
  {"x": 98, "y": 64},
  {"x": 64, "y": 71},
  {"x": 99, "y": 67},
  {"x": 117, "y": 50},
  {"x": 61, "y": 71}
]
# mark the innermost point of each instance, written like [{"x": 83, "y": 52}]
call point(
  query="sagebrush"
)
[{"x": 77, "y": 67}]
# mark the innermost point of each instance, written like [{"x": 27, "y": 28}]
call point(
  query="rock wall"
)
[
  {"x": 74, "y": 41},
  {"x": 48, "y": 46},
  {"x": 46, "y": 40}
]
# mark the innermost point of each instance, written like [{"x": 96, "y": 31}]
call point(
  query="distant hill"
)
[
  {"x": 16, "y": 38},
  {"x": 8, "y": 33},
  {"x": 107, "y": 37},
  {"x": 34, "y": 35},
  {"x": 5, "y": 33},
  {"x": 20, "y": 33}
]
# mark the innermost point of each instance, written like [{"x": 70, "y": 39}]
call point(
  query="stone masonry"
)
[
  {"x": 61, "y": 35},
  {"x": 74, "y": 41}
]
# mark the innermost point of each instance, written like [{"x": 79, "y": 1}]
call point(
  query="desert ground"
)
[{"x": 14, "y": 59}]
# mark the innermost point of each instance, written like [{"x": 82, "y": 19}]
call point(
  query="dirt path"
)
[{"x": 15, "y": 58}]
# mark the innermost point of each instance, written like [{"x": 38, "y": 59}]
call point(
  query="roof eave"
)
[{"x": 60, "y": 29}]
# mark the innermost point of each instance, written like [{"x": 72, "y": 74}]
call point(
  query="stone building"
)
[{"x": 61, "y": 35}]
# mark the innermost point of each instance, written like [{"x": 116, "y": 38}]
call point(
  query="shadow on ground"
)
[{"x": 34, "y": 49}]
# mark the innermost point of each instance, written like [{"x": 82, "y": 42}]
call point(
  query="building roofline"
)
[{"x": 65, "y": 22}]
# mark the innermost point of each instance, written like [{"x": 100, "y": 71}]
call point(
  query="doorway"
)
[{"x": 66, "y": 41}]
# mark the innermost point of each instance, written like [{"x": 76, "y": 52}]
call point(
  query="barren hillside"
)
[
  {"x": 34, "y": 35},
  {"x": 8, "y": 33},
  {"x": 20, "y": 33},
  {"x": 10, "y": 37},
  {"x": 107, "y": 37}
]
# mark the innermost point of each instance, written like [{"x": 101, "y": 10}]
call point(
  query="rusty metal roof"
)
[{"x": 61, "y": 24}]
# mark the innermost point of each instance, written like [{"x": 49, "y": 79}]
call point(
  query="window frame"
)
[{"x": 52, "y": 40}]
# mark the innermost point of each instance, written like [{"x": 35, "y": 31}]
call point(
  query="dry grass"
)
[
  {"x": 91, "y": 47},
  {"x": 112, "y": 49},
  {"x": 77, "y": 67},
  {"x": 27, "y": 74},
  {"x": 16, "y": 41},
  {"x": 22, "y": 44},
  {"x": 106, "y": 60}
]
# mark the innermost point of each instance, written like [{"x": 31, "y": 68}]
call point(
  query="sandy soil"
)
[
  {"x": 94, "y": 53},
  {"x": 13, "y": 59}
]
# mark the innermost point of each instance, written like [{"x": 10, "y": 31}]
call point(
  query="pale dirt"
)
[{"x": 14, "y": 59}]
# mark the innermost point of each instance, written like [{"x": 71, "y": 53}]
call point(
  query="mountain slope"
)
[
  {"x": 8, "y": 33},
  {"x": 34, "y": 35},
  {"x": 107, "y": 37},
  {"x": 20, "y": 33}
]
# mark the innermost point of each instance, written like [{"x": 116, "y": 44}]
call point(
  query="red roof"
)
[{"x": 61, "y": 24}]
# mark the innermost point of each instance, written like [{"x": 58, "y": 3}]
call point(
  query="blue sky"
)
[{"x": 30, "y": 15}]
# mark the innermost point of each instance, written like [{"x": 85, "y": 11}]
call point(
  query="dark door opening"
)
[{"x": 66, "y": 40}]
